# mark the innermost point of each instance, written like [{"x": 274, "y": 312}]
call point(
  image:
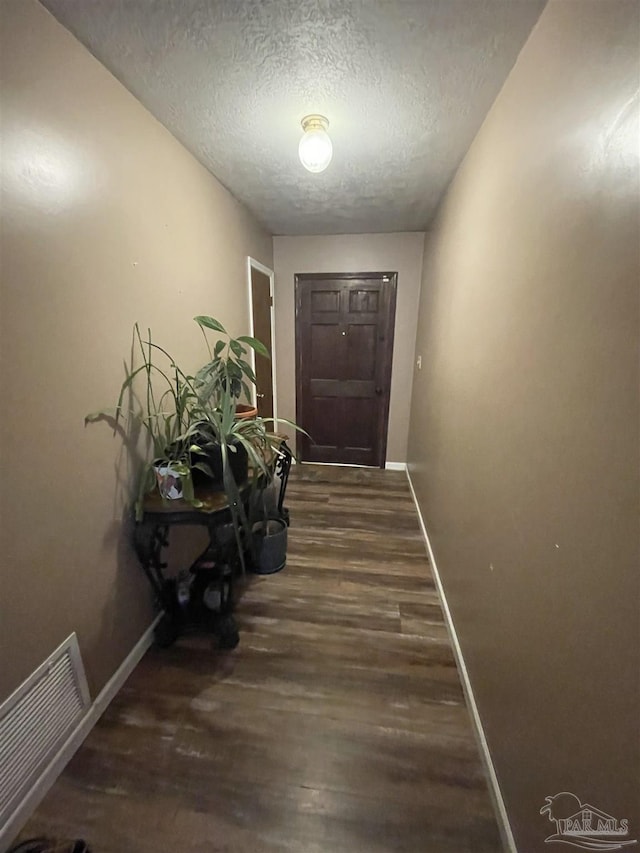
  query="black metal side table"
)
[{"x": 209, "y": 596}]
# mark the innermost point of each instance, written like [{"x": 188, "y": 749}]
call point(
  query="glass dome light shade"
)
[{"x": 315, "y": 149}]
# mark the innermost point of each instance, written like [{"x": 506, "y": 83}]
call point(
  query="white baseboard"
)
[
  {"x": 504, "y": 826},
  {"x": 389, "y": 466},
  {"x": 66, "y": 752},
  {"x": 336, "y": 464}
]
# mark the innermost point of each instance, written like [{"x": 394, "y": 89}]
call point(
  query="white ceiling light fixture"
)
[{"x": 315, "y": 149}]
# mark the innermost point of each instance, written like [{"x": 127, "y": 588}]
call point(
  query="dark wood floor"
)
[{"x": 337, "y": 726}]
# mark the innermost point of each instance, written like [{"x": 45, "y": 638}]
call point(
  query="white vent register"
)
[{"x": 37, "y": 719}]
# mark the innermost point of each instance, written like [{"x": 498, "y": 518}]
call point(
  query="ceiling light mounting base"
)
[{"x": 315, "y": 122}]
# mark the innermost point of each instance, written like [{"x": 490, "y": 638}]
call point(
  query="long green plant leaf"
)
[
  {"x": 255, "y": 345},
  {"x": 237, "y": 349},
  {"x": 292, "y": 424},
  {"x": 210, "y": 323},
  {"x": 247, "y": 370}
]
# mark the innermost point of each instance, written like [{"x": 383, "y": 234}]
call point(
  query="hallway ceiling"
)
[{"x": 405, "y": 84}]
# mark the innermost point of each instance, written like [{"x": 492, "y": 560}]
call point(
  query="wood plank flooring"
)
[{"x": 337, "y": 726}]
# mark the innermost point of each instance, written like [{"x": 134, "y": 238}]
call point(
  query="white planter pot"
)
[{"x": 170, "y": 481}]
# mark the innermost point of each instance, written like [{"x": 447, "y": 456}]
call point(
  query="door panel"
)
[
  {"x": 325, "y": 416},
  {"x": 358, "y": 423},
  {"x": 344, "y": 344},
  {"x": 361, "y": 343},
  {"x": 261, "y": 308},
  {"x": 325, "y": 301},
  {"x": 325, "y": 340}
]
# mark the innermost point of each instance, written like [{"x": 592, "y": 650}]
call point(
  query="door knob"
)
[
  {"x": 260, "y": 396},
  {"x": 378, "y": 391}
]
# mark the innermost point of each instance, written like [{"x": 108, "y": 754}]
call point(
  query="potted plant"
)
[
  {"x": 218, "y": 430},
  {"x": 225, "y": 434},
  {"x": 164, "y": 415},
  {"x": 219, "y": 415},
  {"x": 227, "y": 372},
  {"x": 270, "y": 519},
  {"x": 193, "y": 426},
  {"x": 269, "y": 545}
]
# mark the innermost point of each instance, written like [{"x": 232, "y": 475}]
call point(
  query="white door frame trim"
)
[{"x": 256, "y": 265}]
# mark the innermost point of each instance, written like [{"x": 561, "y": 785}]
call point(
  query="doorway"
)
[
  {"x": 262, "y": 327},
  {"x": 344, "y": 349}
]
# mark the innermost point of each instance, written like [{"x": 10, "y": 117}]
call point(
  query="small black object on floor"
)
[{"x": 51, "y": 845}]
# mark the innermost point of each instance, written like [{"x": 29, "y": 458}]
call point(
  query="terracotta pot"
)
[{"x": 245, "y": 410}]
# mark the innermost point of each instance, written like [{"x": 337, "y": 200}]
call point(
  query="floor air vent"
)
[{"x": 36, "y": 720}]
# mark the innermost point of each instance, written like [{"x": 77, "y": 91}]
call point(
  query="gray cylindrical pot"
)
[{"x": 270, "y": 545}]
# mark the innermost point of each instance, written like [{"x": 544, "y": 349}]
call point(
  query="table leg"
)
[
  {"x": 149, "y": 542},
  {"x": 217, "y": 567}
]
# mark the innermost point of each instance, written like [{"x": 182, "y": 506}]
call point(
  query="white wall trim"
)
[
  {"x": 508, "y": 840},
  {"x": 335, "y": 464},
  {"x": 66, "y": 752},
  {"x": 389, "y": 466},
  {"x": 256, "y": 265}
]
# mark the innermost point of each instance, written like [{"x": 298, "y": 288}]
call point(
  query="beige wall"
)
[
  {"x": 401, "y": 253},
  {"x": 106, "y": 220},
  {"x": 524, "y": 428}
]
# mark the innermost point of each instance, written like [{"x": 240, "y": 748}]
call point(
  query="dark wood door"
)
[
  {"x": 344, "y": 346},
  {"x": 261, "y": 310}
]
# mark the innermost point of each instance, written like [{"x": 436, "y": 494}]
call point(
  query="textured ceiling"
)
[{"x": 405, "y": 85}]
